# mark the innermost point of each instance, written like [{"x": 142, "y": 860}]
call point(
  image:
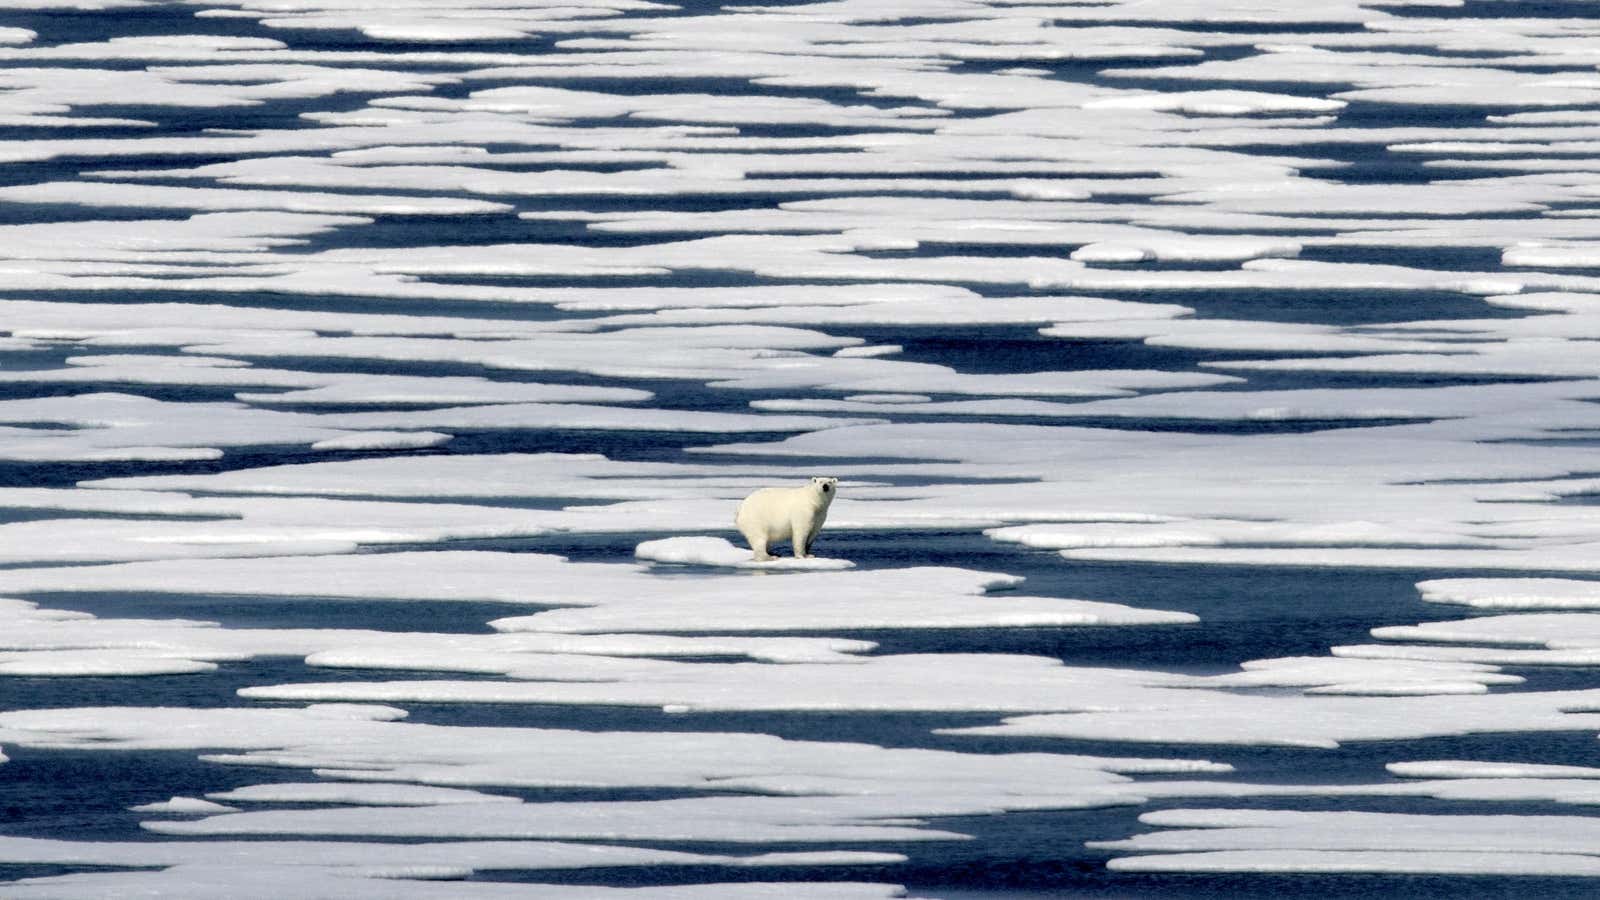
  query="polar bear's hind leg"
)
[{"x": 758, "y": 543}]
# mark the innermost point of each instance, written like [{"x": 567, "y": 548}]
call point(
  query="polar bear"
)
[{"x": 771, "y": 515}]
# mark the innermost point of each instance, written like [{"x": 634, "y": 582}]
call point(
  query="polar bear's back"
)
[{"x": 770, "y": 508}]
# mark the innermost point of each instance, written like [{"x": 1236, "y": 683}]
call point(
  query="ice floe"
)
[
  {"x": 1541, "y": 638},
  {"x": 363, "y": 794},
  {"x": 720, "y": 552},
  {"x": 1237, "y": 840},
  {"x": 923, "y": 597},
  {"x": 1513, "y": 593},
  {"x": 43, "y": 642},
  {"x": 1321, "y": 721},
  {"x": 818, "y": 791},
  {"x": 144, "y": 196},
  {"x": 264, "y": 868},
  {"x": 109, "y": 426},
  {"x": 185, "y": 806}
]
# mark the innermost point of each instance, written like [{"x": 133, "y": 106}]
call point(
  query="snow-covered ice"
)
[{"x": 720, "y": 552}]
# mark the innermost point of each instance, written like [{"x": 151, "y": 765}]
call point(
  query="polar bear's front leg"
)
[{"x": 802, "y": 537}]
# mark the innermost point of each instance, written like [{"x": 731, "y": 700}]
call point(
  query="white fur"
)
[{"x": 796, "y": 515}]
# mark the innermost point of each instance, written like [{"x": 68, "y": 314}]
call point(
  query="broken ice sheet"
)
[
  {"x": 720, "y": 553},
  {"x": 1239, "y": 840}
]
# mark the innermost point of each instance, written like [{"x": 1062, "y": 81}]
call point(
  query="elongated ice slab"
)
[
  {"x": 1513, "y": 593},
  {"x": 721, "y": 553},
  {"x": 1237, "y": 840}
]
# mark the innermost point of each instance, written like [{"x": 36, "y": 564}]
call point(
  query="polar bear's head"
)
[{"x": 824, "y": 485}]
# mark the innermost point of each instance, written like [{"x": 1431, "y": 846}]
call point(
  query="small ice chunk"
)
[
  {"x": 868, "y": 351},
  {"x": 889, "y": 398},
  {"x": 383, "y": 440},
  {"x": 1187, "y": 249},
  {"x": 361, "y": 794},
  {"x": 1218, "y": 102},
  {"x": 185, "y": 806},
  {"x": 1250, "y": 840},
  {"x": 702, "y": 550},
  {"x": 1456, "y": 768}
]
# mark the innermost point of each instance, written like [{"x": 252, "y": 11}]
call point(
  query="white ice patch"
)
[
  {"x": 1212, "y": 707},
  {"x": 1403, "y": 862},
  {"x": 787, "y": 791},
  {"x": 268, "y": 526},
  {"x": 360, "y": 869},
  {"x": 721, "y": 553},
  {"x": 1558, "y": 639},
  {"x": 613, "y": 599},
  {"x": 932, "y": 312},
  {"x": 1245, "y": 335},
  {"x": 1219, "y": 103},
  {"x": 443, "y": 576},
  {"x": 1188, "y": 249},
  {"x": 1513, "y": 593},
  {"x": 42, "y": 642},
  {"x": 925, "y": 682},
  {"x": 146, "y": 196},
  {"x": 124, "y": 426},
  {"x": 735, "y": 820},
  {"x": 1451, "y": 768},
  {"x": 1239, "y": 840},
  {"x": 527, "y": 654},
  {"x": 996, "y": 408},
  {"x": 1307, "y": 720},
  {"x": 385, "y": 880},
  {"x": 300, "y": 388},
  {"x": 895, "y": 376},
  {"x": 541, "y": 416},
  {"x": 921, "y": 597},
  {"x": 100, "y": 663},
  {"x": 399, "y": 390},
  {"x": 358, "y": 794},
  {"x": 383, "y": 440},
  {"x": 1333, "y": 675},
  {"x": 479, "y": 476},
  {"x": 184, "y": 806}
]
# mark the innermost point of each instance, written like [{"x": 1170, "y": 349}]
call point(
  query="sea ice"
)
[
  {"x": 145, "y": 196},
  {"x": 383, "y": 440},
  {"x": 633, "y": 203},
  {"x": 360, "y": 794},
  {"x": 721, "y": 553},
  {"x": 1513, "y": 593},
  {"x": 1239, "y": 840},
  {"x": 1218, "y": 102},
  {"x": 184, "y": 806}
]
